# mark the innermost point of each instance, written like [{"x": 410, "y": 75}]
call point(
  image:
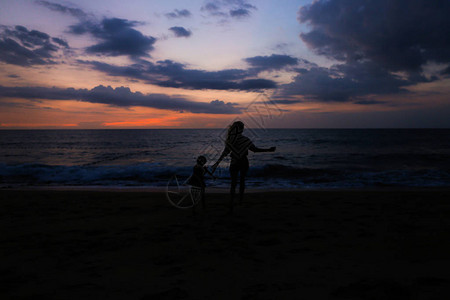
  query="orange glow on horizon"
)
[
  {"x": 35, "y": 125},
  {"x": 164, "y": 121}
]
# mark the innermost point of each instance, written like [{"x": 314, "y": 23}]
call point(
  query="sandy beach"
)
[{"x": 367, "y": 244}]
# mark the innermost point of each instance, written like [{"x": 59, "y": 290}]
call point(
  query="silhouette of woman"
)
[{"x": 238, "y": 145}]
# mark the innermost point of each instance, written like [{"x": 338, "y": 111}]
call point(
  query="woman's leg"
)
[
  {"x": 243, "y": 172},
  {"x": 234, "y": 171}
]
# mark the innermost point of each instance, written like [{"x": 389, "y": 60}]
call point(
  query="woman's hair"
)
[{"x": 233, "y": 131}]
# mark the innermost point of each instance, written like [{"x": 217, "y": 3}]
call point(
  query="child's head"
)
[{"x": 201, "y": 160}]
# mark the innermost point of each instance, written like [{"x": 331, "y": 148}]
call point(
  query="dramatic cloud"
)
[
  {"x": 22, "y": 47},
  {"x": 180, "y": 31},
  {"x": 117, "y": 37},
  {"x": 120, "y": 96},
  {"x": 228, "y": 8},
  {"x": 184, "y": 13},
  {"x": 168, "y": 73},
  {"x": 382, "y": 45},
  {"x": 400, "y": 35}
]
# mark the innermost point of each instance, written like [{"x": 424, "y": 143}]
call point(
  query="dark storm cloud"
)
[
  {"x": 22, "y": 47},
  {"x": 382, "y": 47},
  {"x": 400, "y": 35},
  {"x": 180, "y": 31},
  {"x": 183, "y": 13},
  {"x": 345, "y": 82},
  {"x": 168, "y": 73},
  {"x": 273, "y": 62},
  {"x": 120, "y": 96},
  {"x": 228, "y": 8},
  {"x": 117, "y": 36}
]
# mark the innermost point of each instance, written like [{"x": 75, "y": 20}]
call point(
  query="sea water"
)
[{"x": 305, "y": 158}]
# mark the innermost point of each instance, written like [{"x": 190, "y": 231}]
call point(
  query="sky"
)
[{"x": 203, "y": 64}]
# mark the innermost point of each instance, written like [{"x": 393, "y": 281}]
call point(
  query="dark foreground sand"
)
[{"x": 283, "y": 245}]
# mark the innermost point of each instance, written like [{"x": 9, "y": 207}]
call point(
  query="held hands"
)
[
  {"x": 212, "y": 170},
  {"x": 214, "y": 167}
]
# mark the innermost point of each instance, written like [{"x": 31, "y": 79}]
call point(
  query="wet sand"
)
[{"x": 384, "y": 244}]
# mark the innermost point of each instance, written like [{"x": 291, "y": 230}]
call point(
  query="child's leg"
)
[
  {"x": 203, "y": 198},
  {"x": 194, "y": 197}
]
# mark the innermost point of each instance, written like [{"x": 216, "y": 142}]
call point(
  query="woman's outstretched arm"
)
[{"x": 256, "y": 149}]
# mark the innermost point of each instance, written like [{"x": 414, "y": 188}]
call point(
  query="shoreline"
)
[{"x": 224, "y": 190}]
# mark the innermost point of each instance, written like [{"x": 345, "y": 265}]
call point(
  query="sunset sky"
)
[{"x": 195, "y": 64}]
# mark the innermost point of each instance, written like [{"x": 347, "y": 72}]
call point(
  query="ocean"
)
[{"x": 304, "y": 159}]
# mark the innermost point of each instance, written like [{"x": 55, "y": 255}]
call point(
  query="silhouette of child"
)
[{"x": 197, "y": 178}]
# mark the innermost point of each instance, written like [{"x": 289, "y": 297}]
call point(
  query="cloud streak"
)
[
  {"x": 343, "y": 82},
  {"x": 273, "y": 62},
  {"x": 236, "y": 9},
  {"x": 183, "y": 13},
  {"x": 168, "y": 73},
  {"x": 121, "y": 97},
  {"x": 75, "y": 12}
]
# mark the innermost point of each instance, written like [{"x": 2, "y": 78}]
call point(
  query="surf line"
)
[{"x": 125, "y": 155}]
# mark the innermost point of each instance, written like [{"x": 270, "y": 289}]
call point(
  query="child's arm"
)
[{"x": 225, "y": 152}]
